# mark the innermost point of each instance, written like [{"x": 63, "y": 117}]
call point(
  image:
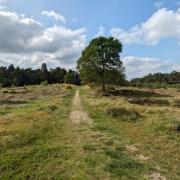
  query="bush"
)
[
  {"x": 122, "y": 113},
  {"x": 52, "y": 107},
  {"x": 89, "y": 147},
  {"x": 68, "y": 86},
  {"x": 175, "y": 128},
  {"x": 112, "y": 88},
  {"x": 44, "y": 83},
  {"x": 5, "y": 91},
  {"x": 178, "y": 128},
  {"x": 146, "y": 101},
  {"x": 177, "y": 103}
]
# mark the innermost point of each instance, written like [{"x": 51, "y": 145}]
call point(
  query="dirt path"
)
[{"x": 78, "y": 115}]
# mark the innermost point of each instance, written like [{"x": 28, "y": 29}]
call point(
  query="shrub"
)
[
  {"x": 13, "y": 92},
  {"x": 112, "y": 88},
  {"x": 117, "y": 112},
  {"x": 146, "y": 101},
  {"x": 5, "y": 92},
  {"x": 178, "y": 128},
  {"x": 68, "y": 86},
  {"x": 52, "y": 107},
  {"x": 175, "y": 128},
  {"x": 89, "y": 147},
  {"x": 177, "y": 103},
  {"x": 44, "y": 83}
]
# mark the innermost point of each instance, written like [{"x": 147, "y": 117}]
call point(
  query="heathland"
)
[{"x": 77, "y": 132}]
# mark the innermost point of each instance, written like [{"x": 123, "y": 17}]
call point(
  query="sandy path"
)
[{"x": 78, "y": 115}]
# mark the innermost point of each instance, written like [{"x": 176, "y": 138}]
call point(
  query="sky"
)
[{"x": 56, "y": 32}]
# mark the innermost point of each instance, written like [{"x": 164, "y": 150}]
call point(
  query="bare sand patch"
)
[{"x": 78, "y": 115}]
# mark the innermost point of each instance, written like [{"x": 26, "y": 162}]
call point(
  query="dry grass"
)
[
  {"x": 10, "y": 96},
  {"x": 155, "y": 136},
  {"x": 30, "y": 133},
  {"x": 68, "y": 86},
  {"x": 39, "y": 141}
]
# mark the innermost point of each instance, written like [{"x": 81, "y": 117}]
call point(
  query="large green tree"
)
[{"x": 100, "y": 62}]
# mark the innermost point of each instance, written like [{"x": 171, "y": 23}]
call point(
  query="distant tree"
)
[
  {"x": 58, "y": 75},
  {"x": 160, "y": 78},
  {"x": 6, "y": 82},
  {"x": 45, "y": 75},
  {"x": 72, "y": 77},
  {"x": 11, "y": 68},
  {"x": 44, "y": 67},
  {"x": 19, "y": 77},
  {"x": 100, "y": 62}
]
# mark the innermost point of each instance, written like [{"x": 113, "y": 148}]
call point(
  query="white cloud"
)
[
  {"x": 26, "y": 42},
  {"x": 2, "y": 4},
  {"x": 16, "y": 31},
  {"x": 163, "y": 24},
  {"x": 55, "y": 15},
  {"x": 140, "y": 66}
]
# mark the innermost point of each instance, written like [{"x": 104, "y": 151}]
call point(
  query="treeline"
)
[
  {"x": 158, "y": 79},
  {"x": 15, "y": 76}
]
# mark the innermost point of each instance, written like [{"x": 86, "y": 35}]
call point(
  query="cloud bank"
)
[
  {"x": 163, "y": 24},
  {"x": 54, "y": 15},
  {"x": 141, "y": 66},
  {"x": 25, "y": 41}
]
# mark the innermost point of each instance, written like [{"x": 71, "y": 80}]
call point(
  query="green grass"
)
[
  {"x": 121, "y": 165},
  {"x": 29, "y": 146},
  {"x": 153, "y": 133},
  {"x": 31, "y": 139},
  {"x": 39, "y": 141}
]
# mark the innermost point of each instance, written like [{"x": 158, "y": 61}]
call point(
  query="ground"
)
[{"x": 69, "y": 132}]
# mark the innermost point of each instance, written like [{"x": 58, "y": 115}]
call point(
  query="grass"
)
[
  {"x": 31, "y": 144},
  {"x": 121, "y": 165},
  {"x": 154, "y": 133},
  {"x": 39, "y": 141}
]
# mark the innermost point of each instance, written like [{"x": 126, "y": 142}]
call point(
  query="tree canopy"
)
[
  {"x": 100, "y": 62},
  {"x": 72, "y": 77},
  {"x": 166, "y": 78},
  {"x": 19, "y": 77}
]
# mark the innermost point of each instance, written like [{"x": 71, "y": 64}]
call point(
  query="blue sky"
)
[{"x": 148, "y": 30}]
